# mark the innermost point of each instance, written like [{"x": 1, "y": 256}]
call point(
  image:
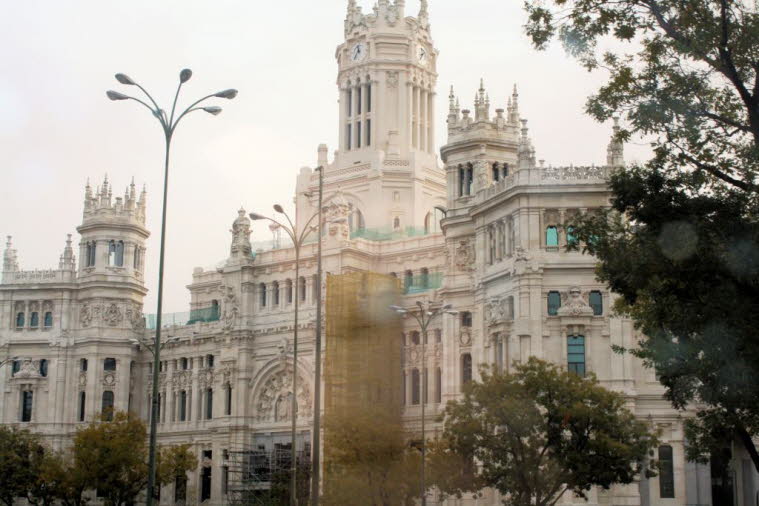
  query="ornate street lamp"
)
[
  {"x": 169, "y": 125},
  {"x": 298, "y": 238},
  {"x": 424, "y": 317}
]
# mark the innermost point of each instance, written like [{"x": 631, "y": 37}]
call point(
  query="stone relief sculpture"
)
[
  {"x": 275, "y": 400},
  {"x": 574, "y": 303},
  {"x": 112, "y": 315},
  {"x": 241, "y": 247},
  {"x": 464, "y": 257},
  {"x": 85, "y": 316}
]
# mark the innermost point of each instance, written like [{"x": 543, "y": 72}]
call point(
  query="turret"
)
[
  {"x": 113, "y": 235},
  {"x": 526, "y": 152},
  {"x": 10, "y": 260},
  {"x": 513, "y": 110},
  {"x": 481, "y": 104},
  {"x": 68, "y": 260},
  {"x": 615, "y": 153}
]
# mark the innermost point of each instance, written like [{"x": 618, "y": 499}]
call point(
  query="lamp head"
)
[
  {"x": 256, "y": 217},
  {"x": 454, "y": 313},
  {"x": 185, "y": 75},
  {"x": 279, "y": 209},
  {"x": 125, "y": 79},
  {"x": 215, "y": 110},
  {"x": 228, "y": 94},
  {"x": 447, "y": 307},
  {"x": 398, "y": 309},
  {"x": 115, "y": 95}
]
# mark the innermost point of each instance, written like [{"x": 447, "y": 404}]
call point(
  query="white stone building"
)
[{"x": 482, "y": 227}]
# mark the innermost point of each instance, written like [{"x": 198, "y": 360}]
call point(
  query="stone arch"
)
[{"x": 272, "y": 388}]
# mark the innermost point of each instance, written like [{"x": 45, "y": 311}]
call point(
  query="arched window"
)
[
  {"x": 182, "y": 405},
  {"x": 491, "y": 245},
  {"x": 462, "y": 180},
  {"x": 408, "y": 281},
  {"x": 91, "y": 254},
  {"x": 275, "y": 293},
  {"x": 597, "y": 303},
  {"x": 289, "y": 291},
  {"x": 666, "y": 473},
  {"x": 43, "y": 368},
  {"x": 27, "y": 401},
  {"x": 34, "y": 321},
  {"x": 209, "y": 361},
  {"x": 83, "y": 364},
  {"x": 425, "y": 281},
  {"x": 107, "y": 405},
  {"x": 82, "y": 405},
  {"x": 302, "y": 288},
  {"x": 120, "y": 254},
  {"x": 576, "y": 354},
  {"x": 356, "y": 221},
  {"x": 469, "y": 178},
  {"x": 109, "y": 364},
  {"x": 438, "y": 385},
  {"x": 415, "y": 386},
  {"x": 215, "y": 310},
  {"x": 316, "y": 287},
  {"x": 466, "y": 369},
  {"x": 552, "y": 237},
  {"x": 20, "y": 320},
  {"x": 496, "y": 173},
  {"x": 137, "y": 257},
  {"x": 394, "y": 275},
  {"x": 48, "y": 319},
  {"x": 183, "y": 363},
  {"x": 228, "y": 400},
  {"x": 209, "y": 404},
  {"x": 262, "y": 294},
  {"x": 415, "y": 337},
  {"x": 396, "y": 223},
  {"x": 505, "y": 170},
  {"x": 571, "y": 237},
  {"x": 554, "y": 303},
  {"x": 428, "y": 223}
]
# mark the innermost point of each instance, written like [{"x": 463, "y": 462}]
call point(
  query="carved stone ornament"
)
[
  {"x": 82, "y": 379},
  {"x": 464, "y": 256},
  {"x": 337, "y": 212},
  {"x": 241, "y": 247},
  {"x": 392, "y": 79},
  {"x": 573, "y": 303},
  {"x": 496, "y": 310},
  {"x": 465, "y": 339},
  {"x": 135, "y": 318},
  {"x": 205, "y": 378},
  {"x": 28, "y": 369},
  {"x": 85, "y": 316},
  {"x": 275, "y": 401},
  {"x": 109, "y": 379},
  {"x": 112, "y": 316},
  {"x": 392, "y": 15}
]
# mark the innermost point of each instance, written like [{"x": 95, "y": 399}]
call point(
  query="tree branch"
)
[{"x": 748, "y": 443}]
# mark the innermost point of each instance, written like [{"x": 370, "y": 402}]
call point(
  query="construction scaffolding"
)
[{"x": 260, "y": 477}]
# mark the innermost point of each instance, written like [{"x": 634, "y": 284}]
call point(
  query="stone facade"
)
[{"x": 484, "y": 231}]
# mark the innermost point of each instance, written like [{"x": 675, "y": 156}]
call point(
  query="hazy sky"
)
[{"x": 57, "y": 128}]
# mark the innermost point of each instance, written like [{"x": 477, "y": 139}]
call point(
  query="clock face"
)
[
  {"x": 422, "y": 55},
  {"x": 358, "y": 52}
]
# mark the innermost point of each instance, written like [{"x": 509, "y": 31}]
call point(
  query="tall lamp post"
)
[
  {"x": 424, "y": 317},
  {"x": 298, "y": 237},
  {"x": 169, "y": 125},
  {"x": 316, "y": 451}
]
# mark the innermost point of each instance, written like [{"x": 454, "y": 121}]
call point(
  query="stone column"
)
[{"x": 423, "y": 123}]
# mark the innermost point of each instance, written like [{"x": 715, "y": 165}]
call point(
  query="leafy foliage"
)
[
  {"x": 20, "y": 453},
  {"x": 680, "y": 243},
  {"x": 541, "y": 431}
]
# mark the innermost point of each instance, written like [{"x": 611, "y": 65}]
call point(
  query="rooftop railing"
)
[{"x": 204, "y": 315}]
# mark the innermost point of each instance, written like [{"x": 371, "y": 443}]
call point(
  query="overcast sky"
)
[{"x": 57, "y": 128}]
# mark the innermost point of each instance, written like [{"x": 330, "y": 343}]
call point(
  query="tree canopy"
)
[
  {"x": 679, "y": 243},
  {"x": 540, "y": 432}
]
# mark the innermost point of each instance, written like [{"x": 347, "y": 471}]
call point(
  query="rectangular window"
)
[
  {"x": 34, "y": 321},
  {"x": 369, "y": 97},
  {"x": 205, "y": 484},
  {"x": 576, "y": 354},
  {"x": 666, "y": 473},
  {"x": 224, "y": 480},
  {"x": 107, "y": 405},
  {"x": 552, "y": 237},
  {"x": 359, "y": 101},
  {"x": 466, "y": 369},
  {"x": 82, "y": 405},
  {"x": 43, "y": 368},
  {"x": 571, "y": 238},
  {"x": 554, "y": 303},
  {"x": 368, "y": 132},
  {"x": 15, "y": 367},
  {"x": 350, "y": 103},
  {"x": 182, "y": 406},
  {"x": 209, "y": 404},
  {"x": 228, "y": 403},
  {"x": 48, "y": 320},
  {"x": 358, "y": 134},
  {"x": 597, "y": 303},
  {"x": 461, "y": 181},
  {"x": 109, "y": 364},
  {"x": 180, "y": 489},
  {"x": 466, "y": 319},
  {"x": 348, "y": 138},
  {"x": 27, "y": 400}
]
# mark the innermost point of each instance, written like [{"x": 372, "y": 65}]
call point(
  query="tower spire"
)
[
  {"x": 514, "y": 107},
  {"x": 10, "y": 260},
  {"x": 615, "y": 153}
]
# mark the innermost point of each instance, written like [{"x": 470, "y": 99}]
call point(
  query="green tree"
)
[
  {"x": 368, "y": 461},
  {"x": 20, "y": 455},
  {"x": 540, "y": 432},
  {"x": 112, "y": 456},
  {"x": 680, "y": 242}
]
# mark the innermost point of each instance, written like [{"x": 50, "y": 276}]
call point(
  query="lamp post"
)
[
  {"x": 298, "y": 238},
  {"x": 424, "y": 317},
  {"x": 169, "y": 125},
  {"x": 316, "y": 450}
]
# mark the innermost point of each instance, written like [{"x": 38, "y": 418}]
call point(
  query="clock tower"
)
[
  {"x": 386, "y": 165},
  {"x": 387, "y": 76}
]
